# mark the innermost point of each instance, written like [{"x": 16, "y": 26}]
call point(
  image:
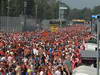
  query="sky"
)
[{"x": 82, "y": 3}]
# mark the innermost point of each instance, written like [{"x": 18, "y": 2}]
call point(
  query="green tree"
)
[
  {"x": 16, "y": 7},
  {"x": 45, "y": 9},
  {"x": 42, "y": 7},
  {"x": 3, "y": 7},
  {"x": 52, "y": 10},
  {"x": 96, "y": 10},
  {"x": 86, "y": 13},
  {"x": 75, "y": 14}
]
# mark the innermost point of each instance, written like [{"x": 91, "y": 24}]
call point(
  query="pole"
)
[
  {"x": 98, "y": 47},
  {"x": 59, "y": 13},
  {"x": 91, "y": 26},
  {"x": 25, "y": 5},
  {"x": 8, "y": 16},
  {"x": 36, "y": 6},
  {"x": 2, "y": 9},
  {"x": 1, "y": 17}
]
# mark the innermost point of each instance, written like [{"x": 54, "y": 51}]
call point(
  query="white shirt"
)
[
  {"x": 10, "y": 58},
  {"x": 57, "y": 73},
  {"x": 35, "y": 51},
  {"x": 41, "y": 73}
]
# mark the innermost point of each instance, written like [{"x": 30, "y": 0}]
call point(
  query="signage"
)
[
  {"x": 96, "y": 16},
  {"x": 63, "y": 8},
  {"x": 54, "y": 28}
]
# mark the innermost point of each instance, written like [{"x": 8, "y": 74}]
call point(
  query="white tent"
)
[
  {"x": 85, "y": 70},
  {"x": 90, "y": 46}
]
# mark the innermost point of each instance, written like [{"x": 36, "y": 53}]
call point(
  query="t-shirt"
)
[
  {"x": 41, "y": 73},
  {"x": 57, "y": 73},
  {"x": 35, "y": 51},
  {"x": 69, "y": 64},
  {"x": 51, "y": 50}
]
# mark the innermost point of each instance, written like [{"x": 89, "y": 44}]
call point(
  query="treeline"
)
[
  {"x": 84, "y": 13},
  {"x": 45, "y": 9}
]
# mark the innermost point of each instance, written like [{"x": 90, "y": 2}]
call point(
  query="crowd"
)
[{"x": 42, "y": 53}]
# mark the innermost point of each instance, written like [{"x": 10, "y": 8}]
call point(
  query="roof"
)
[
  {"x": 90, "y": 46},
  {"x": 85, "y": 70},
  {"x": 78, "y": 20},
  {"x": 89, "y": 54},
  {"x": 90, "y": 51}
]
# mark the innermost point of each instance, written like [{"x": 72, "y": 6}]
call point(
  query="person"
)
[
  {"x": 29, "y": 70},
  {"x": 49, "y": 72},
  {"x": 41, "y": 71},
  {"x": 24, "y": 69},
  {"x": 18, "y": 70},
  {"x": 41, "y": 49},
  {"x": 63, "y": 70},
  {"x": 67, "y": 63},
  {"x": 58, "y": 72}
]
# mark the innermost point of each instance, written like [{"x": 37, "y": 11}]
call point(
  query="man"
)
[
  {"x": 67, "y": 63},
  {"x": 57, "y": 72},
  {"x": 18, "y": 70},
  {"x": 41, "y": 72}
]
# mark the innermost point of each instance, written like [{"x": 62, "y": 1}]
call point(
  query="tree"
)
[
  {"x": 3, "y": 7},
  {"x": 96, "y": 10},
  {"x": 16, "y": 7},
  {"x": 0, "y": 7},
  {"x": 42, "y": 7},
  {"x": 75, "y": 14},
  {"x": 86, "y": 13},
  {"x": 52, "y": 10},
  {"x": 45, "y": 9}
]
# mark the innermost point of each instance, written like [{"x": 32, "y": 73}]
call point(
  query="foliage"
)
[
  {"x": 45, "y": 9},
  {"x": 84, "y": 13},
  {"x": 80, "y": 13},
  {"x": 96, "y": 10}
]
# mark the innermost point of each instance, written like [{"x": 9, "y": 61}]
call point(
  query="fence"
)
[{"x": 16, "y": 24}]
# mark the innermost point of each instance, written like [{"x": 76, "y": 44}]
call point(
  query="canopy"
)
[{"x": 85, "y": 70}]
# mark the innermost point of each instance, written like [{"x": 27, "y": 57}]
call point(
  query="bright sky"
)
[{"x": 82, "y": 3}]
